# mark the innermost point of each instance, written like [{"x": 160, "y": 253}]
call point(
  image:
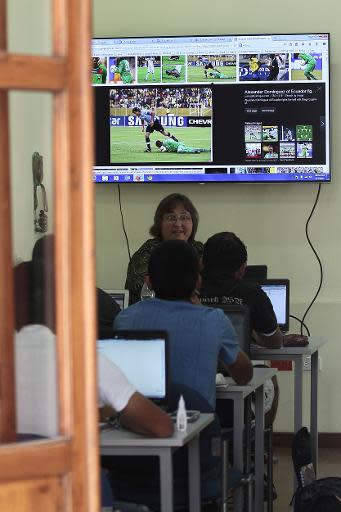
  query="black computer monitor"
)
[{"x": 256, "y": 272}]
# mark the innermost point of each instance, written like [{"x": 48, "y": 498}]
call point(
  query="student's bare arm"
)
[
  {"x": 142, "y": 416},
  {"x": 273, "y": 341},
  {"x": 241, "y": 370}
]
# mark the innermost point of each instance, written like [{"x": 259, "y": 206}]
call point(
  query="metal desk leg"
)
[
  {"x": 194, "y": 475},
  {"x": 259, "y": 450},
  {"x": 313, "y": 408},
  {"x": 298, "y": 398},
  {"x": 166, "y": 480},
  {"x": 238, "y": 434}
]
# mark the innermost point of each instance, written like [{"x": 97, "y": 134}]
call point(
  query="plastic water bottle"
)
[
  {"x": 181, "y": 416},
  {"x": 146, "y": 292}
]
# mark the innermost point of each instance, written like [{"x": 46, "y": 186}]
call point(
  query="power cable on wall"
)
[
  {"x": 122, "y": 220},
  {"x": 318, "y": 260}
]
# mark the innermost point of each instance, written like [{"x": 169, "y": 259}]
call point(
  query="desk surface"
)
[
  {"x": 260, "y": 375},
  {"x": 315, "y": 343},
  {"x": 122, "y": 437}
]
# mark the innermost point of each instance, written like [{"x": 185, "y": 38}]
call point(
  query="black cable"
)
[
  {"x": 302, "y": 323},
  {"x": 316, "y": 255},
  {"x": 122, "y": 219}
]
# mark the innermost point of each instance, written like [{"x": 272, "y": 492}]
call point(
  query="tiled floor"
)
[{"x": 329, "y": 465}]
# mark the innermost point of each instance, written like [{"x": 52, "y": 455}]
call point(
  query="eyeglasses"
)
[{"x": 173, "y": 217}]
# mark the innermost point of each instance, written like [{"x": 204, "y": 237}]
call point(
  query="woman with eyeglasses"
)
[{"x": 175, "y": 219}]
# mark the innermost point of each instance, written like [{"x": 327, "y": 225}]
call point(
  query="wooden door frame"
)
[{"x": 74, "y": 456}]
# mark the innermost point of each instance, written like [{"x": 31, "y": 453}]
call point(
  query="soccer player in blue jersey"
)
[
  {"x": 207, "y": 64},
  {"x": 152, "y": 123}
]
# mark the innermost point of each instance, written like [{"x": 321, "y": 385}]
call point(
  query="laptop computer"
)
[
  {"x": 239, "y": 317},
  {"x": 120, "y": 296},
  {"x": 278, "y": 292},
  {"x": 143, "y": 358}
]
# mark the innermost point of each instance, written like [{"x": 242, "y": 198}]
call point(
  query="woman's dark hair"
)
[
  {"x": 224, "y": 252},
  {"x": 167, "y": 205},
  {"x": 173, "y": 269}
]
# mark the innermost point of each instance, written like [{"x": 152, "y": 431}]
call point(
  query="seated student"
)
[
  {"x": 198, "y": 336},
  {"x": 225, "y": 261},
  {"x": 115, "y": 392}
]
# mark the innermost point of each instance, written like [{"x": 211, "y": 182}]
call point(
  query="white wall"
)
[
  {"x": 30, "y": 123},
  {"x": 269, "y": 218}
]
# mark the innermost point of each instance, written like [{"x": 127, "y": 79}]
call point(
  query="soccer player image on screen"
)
[
  {"x": 306, "y": 66},
  {"x": 216, "y": 74},
  {"x": 173, "y": 70},
  {"x": 124, "y": 70},
  {"x": 270, "y": 133},
  {"x": 150, "y": 123},
  {"x": 203, "y": 68},
  {"x": 172, "y": 146},
  {"x": 304, "y": 150},
  {"x": 179, "y": 113},
  {"x": 207, "y": 65},
  {"x": 99, "y": 70},
  {"x": 149, "y": 69},
  {"x": 287, "y": 133}
]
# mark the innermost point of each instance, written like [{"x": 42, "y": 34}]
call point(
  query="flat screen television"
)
[{"x": 230, "y": 108}]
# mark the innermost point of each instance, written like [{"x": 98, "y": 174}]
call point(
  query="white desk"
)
[
  {"x": 297, "y": 354},
  {"x": 238, "y": 395},
  {"x": 124, "y": 442}
]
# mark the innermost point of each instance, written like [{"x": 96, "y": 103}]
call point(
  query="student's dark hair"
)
[
  {"x": 167, "y": 205},
  {"x": 43, "y": 282},
  {"x": 224, "y": 252},
  {"x": 173, "y": 269}
]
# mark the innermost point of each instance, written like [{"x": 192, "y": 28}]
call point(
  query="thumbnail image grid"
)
[
  {"x": 154, "y": 124},
  {"x": 283, "y": 142},
  {"x": 207, "y": 68}
]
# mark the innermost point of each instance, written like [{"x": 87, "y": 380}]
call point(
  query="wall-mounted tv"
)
[{"x": 231, "y": 108}]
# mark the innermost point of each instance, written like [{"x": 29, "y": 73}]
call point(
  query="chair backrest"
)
[{"x": 239, "y": 316}]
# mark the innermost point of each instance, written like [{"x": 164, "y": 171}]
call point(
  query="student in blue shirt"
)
[{"x": 199, "y": 336}]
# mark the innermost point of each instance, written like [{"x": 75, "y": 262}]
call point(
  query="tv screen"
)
[{"x": 238, "y": 108}]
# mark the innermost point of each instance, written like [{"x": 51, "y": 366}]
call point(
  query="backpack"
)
[{"x": 312, "y": 495}]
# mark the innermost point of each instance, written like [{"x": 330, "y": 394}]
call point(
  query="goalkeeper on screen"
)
[
  {"x": 172, "y": 146},
  {"x": 215, "y": 73},
  {"x": 123, "y": 69}
]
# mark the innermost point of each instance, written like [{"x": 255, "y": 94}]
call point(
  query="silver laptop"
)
[{"x": 143, "y": 358}]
